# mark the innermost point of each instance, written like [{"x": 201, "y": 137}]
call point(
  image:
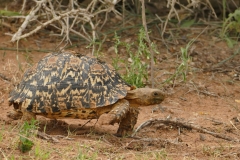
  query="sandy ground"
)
[{"x": 209, "y": 99}]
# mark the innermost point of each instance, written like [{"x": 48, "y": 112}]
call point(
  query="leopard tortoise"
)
[{"x": 70, "y": 85}]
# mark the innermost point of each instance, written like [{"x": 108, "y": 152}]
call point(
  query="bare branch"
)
[
  {"x": 148, "y": 40},
  {"x": 27, "y": 19},
  {"x": 17, "y": 36},
  {"x": 185, "y": 125},
  {"x": 67, "y": 19}
]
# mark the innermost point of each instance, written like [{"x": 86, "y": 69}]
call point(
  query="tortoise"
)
[{"x": 71, "y": 85}]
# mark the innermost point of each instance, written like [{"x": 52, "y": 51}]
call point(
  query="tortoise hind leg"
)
[
  {"x": 128, "y": 122},
  {"x": 118, "y": 112}
]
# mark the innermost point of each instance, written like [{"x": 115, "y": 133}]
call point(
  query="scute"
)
[{"x": 66, "y": 80}]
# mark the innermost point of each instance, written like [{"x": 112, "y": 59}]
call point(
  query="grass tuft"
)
[
  {"x": 137, "y": 67},
  {"x": 27, "y": 132}
]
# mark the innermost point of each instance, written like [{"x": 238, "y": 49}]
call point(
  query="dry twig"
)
[
  {"x": 70, "y": 18},
  {"x": 179, "y": 14},
  {"x": 185, "y": 125},
  {"x": 5, "y": 157},
  {"x": 148, "y": 40}
]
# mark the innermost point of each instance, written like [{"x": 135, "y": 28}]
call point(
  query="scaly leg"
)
[
  {"x": 128, "y": 122},
  {"x": 118, "y": 112},
  {"x": 15, "y": 114},
  {"x": 28, "y": 116}
]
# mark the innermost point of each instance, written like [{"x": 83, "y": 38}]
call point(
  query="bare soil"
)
[{"x": 209, "y": 99}]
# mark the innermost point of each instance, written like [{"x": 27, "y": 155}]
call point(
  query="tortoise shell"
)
[{"x": 68, "y": 80}]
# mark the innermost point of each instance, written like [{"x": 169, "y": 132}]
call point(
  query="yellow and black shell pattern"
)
[{"x": 68, "y": 81}]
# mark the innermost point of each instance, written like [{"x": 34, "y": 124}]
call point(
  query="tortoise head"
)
[{"x": 145, "y": 96}]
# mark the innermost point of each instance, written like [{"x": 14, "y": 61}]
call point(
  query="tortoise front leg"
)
[
  {"x": 118, "y": 112},
  {"x": 128, "y": 122},
  {"x": 15, "y": 114},
  {"x": 28, "y": 116}
]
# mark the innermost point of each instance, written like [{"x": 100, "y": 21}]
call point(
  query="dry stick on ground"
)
[
  {"x": 12, "y": 28},
  {"x": 148, "y": 39},
  {"x": 185, "y": 125},
  {"x": 5, "y": 157},
  {"x": 227, "y": 59},
  {"x": 47, "y": 137}
]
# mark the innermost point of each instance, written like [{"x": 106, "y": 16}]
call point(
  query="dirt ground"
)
[{"x": 209, "y": 100}]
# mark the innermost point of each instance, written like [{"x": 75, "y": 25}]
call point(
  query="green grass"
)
[
  {"x": 139, "y": 59},
  {"x": 41, "y": 152},
  {"x": 27, "y": 132},
  {"x": 215, "y": 152},
  {"x": 15, "y": 138},
  {"x": 231, "y": 28},
  {"x": 81, "y": 155},
  {"x": 2, "y": 133},
  {"x": 153, "y": 155},
  {"x": 183, "y": 68}
]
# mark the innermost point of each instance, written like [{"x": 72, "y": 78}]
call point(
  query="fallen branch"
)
[
  {"x": 12, "y": 28},
  {"x": 47, "y": 137},
  {"x": 4, "y": 156},
  {"x": 185, "y": 125},
  {"x": 53, "y": 139}
]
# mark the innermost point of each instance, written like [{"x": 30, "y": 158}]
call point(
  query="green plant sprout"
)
[
  {"x": 231, "y": 25},
  {"x": 40, "y": 153},
  {"x": 27, "y": 131},
  {"x": 183, "y": 68},
  {"x": 117, "y": 58},
  {"x": 136, "y": 70}
]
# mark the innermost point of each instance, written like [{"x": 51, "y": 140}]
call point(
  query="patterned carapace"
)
[{"x": 64, "y": 81}]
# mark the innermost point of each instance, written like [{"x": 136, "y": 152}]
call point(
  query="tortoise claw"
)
[{"x": 15, "y": 115}]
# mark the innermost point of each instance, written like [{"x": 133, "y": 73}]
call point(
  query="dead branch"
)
[
  {"x": 187, "y": 9},
  {"x": 4, "y": 156},
  {"x": 12, "y": 28},
  {"x": 148, "y": 40},
  {"x": 170, "y": 3},
  {"x": 27, "y": 19},
  {"x": 52, "y": 138},
  {"x": 68, "y": 18},
  {"x": 184, "y": 125},
  {"x": 17, "y": 36}
]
